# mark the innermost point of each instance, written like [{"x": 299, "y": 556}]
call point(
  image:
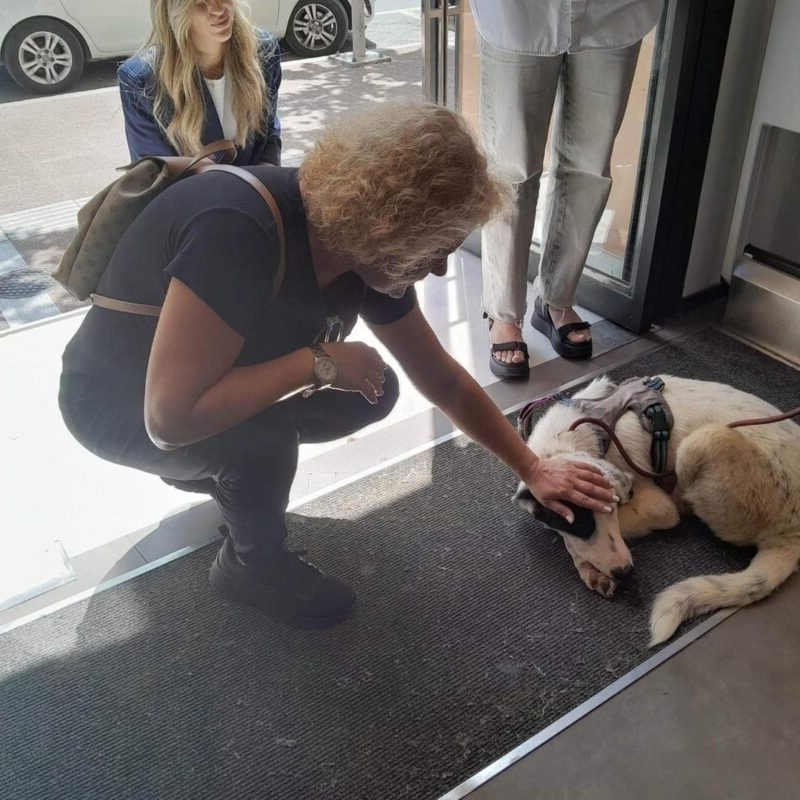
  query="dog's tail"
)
[{"x": 769, "y": 568}]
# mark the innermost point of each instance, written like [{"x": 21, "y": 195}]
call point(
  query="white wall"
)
[
  {"x": 747, "y": 42},
  {"x": 778, "y": 103}
]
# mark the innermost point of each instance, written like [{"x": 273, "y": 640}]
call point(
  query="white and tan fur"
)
[{"x": 744, "y": 483}]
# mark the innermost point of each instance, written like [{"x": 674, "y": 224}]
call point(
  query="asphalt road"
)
[
  {"x": 102, "y": 74},
  {"x": 96, "y": 75}
]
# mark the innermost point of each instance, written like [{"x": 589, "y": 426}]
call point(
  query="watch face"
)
[{"x": 325, "y": 370}]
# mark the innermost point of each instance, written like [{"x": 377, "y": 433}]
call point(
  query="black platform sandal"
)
[
  {"x": 501, "y": 369},
  {"x": 558, "y": 336}
]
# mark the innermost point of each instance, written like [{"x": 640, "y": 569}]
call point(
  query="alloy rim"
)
[
  {"x": 315, "y": 27},
  {"x": 45, "y": 58}
]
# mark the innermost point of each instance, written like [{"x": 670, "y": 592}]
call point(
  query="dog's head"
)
[{"x": 593, "y": 536}]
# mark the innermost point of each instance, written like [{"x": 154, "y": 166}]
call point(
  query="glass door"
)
[{"x": 635, "y": 270}]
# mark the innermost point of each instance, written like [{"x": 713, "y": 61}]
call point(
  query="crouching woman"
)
[{"x": 245, "y": 363}]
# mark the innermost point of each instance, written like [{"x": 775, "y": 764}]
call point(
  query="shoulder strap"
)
[
  {"x": 143, "y": 309},
  {"x": 113, "y": 304},
  {"x": 267, "y": 197}
]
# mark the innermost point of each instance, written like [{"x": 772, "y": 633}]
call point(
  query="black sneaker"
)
[{"x": 287, "y": 586}]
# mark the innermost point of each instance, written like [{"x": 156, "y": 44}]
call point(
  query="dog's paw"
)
[
  {"x": 596, "y": 580},
  {"x": 651, "y": 509}
]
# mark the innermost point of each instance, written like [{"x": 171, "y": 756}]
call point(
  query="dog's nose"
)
[{"x": 622, "y": 573}]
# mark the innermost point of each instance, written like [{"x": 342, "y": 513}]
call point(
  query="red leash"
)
[{"x": 670, "y": 473}]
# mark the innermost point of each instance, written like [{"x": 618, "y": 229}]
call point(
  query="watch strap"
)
[{"x": 318, "y": 351}]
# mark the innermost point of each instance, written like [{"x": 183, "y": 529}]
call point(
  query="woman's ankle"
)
[
  {"x": 500, "y": 331},
  {"x": 565, "y": 315}
]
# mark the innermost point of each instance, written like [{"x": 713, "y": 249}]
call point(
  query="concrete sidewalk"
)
[{"x": 61, "y": 150}]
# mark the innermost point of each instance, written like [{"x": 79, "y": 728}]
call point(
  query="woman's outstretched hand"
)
[
  {"x": 555, "y": 480},
  {"x": 360, "y": 368}
]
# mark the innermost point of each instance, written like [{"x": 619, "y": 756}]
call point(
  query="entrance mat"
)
[{"x": 472, "y": 633}]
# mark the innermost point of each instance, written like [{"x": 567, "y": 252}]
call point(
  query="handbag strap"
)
[
  {"x": 224, "y": 148},
  {"x": 112, "y": 304},
  {"x": 223, "y": 151},
  {"x": 267, "y": 197}
]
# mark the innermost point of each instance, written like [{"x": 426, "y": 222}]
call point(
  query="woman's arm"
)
[
  {"x": 144, "y": 135},
  {"x": 193, "y": 390},
  {"x": 446, "y": 384}
]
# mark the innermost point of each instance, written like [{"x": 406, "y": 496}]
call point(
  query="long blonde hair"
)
[
  {"x": 178, "y": 87},
  {"x": 396, "y": 184}
]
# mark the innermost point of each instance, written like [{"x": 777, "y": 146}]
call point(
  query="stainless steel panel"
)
[{"x": 764, "y": 308}]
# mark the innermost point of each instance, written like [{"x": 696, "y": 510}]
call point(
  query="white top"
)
[
  {"x": 223, "y": 104},
  {"x": 553, "y": 27}
]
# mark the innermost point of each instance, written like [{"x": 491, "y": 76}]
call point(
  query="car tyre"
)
[
  {"x": 43, "y": 55},
  {"x": 316, "y": 28}
]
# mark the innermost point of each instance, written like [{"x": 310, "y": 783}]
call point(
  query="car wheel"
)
[
  {"x": 43, "y": 55},
  {"x": 316, "y": 28}
]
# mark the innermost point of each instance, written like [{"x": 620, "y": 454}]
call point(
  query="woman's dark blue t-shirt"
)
[{"x": 216, "y": 234}]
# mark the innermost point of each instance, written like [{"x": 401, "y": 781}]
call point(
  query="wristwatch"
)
[{"x": 325, "y": 370}]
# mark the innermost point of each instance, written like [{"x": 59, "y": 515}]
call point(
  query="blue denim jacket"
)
[{"x": 146, "y": 137}]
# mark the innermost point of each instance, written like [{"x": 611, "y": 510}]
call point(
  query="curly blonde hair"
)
[
  {"x": 179, "y": 92},
  {"x": 397, "y": 185}
]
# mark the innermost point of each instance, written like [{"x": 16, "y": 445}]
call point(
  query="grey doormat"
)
[
  {"x": 606, "y": 336},
  {"x": 472, "y": 633}
]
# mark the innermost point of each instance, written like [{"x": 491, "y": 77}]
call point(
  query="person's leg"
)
[
  {"x": 517, "y": 93},
  {"x": 321, "y": 417},
  {"x": 592, "y": 98},
  {"x": 253, "y": 493},
  {"x": 332, "y": 414},
  {"x": 252, "y": 466}
]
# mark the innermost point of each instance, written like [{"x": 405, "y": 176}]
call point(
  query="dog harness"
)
[{"x": 644, "y": 397}]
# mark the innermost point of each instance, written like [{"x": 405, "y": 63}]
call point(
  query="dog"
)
[{"x": 742, "y": 482}]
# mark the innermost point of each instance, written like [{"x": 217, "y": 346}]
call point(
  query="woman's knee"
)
[
  {"x": 391, "y": 393},
  {"x": 367, "y": 413}
]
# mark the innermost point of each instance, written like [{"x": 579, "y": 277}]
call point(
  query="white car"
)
[{"x": 45, "y": 43}]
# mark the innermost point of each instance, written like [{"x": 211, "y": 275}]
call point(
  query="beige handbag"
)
[{"x": 103, "y": 219}]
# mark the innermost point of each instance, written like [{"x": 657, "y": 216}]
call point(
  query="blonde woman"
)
[
  {"x": 217, "y": 393},
  {"x": 205, "y": 74}
]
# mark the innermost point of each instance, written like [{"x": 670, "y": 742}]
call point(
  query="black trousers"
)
[{"x": 252, "y": 464}]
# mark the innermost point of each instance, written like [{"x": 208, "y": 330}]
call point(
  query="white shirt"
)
[
  {"x": 223, "y": 104},
  {"x": 553, "y": 27}
]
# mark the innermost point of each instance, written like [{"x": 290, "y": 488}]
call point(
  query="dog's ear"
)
[
  {"x": 583, "y": 527},
  {"x": 599, "y": 388},
  {"x": 524, "y": 497}
]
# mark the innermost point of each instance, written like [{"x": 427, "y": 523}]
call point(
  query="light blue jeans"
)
[{"x": 588, "y": 93}]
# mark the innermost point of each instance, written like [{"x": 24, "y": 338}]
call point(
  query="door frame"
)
[{"x": 688, "y": 61}]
